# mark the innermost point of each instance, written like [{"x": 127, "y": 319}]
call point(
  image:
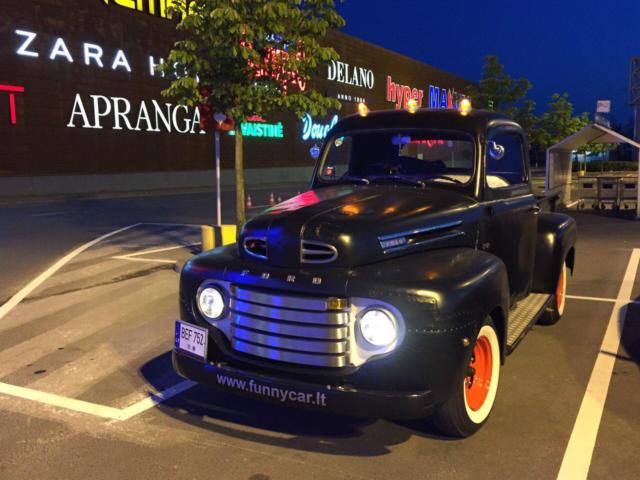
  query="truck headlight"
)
[
  {"x": 378, "y": 327},
  {"x": 211, "y": 302}
]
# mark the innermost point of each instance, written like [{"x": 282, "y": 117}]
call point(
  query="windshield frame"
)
[{"x": 469, "y": 186}]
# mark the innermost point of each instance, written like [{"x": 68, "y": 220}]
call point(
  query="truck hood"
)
[{"x": 349, "y": 225}]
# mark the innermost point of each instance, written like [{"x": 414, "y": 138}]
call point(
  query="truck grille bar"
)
[{"x": 290, "y": 328}]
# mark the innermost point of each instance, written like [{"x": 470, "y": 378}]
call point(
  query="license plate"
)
[{"x": 192, "y": 340}]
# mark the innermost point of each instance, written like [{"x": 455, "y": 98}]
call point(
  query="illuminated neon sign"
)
[
  {"x": 12, "y": 90},
  {"x": 273, "y": 66},
  {"x": 257, "y": 127},
  {"x": 92, "y": 55},
  {"x": 99, "y": 112},
  {"x": 153, "y": 7},
  {"x": 316, "y": 131},
  {"x": 440, "y": 98},
  {"x": 356, "y": 76},
  {"x": 428, "y": 143},
  {"x": 401, "y": 94}
]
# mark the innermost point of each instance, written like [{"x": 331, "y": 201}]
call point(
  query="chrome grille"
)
[
  {"x": 290, "y": 328},
  {"x": 317, "y": 252}
]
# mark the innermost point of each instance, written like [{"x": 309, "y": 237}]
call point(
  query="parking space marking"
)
[
  {"x": 579, "y": 452},
  {"x": 599, "y": 299},
  {"x": 132, "y": 256},
  {"x": 102, "y": 411},
  {"x": 36, "y": 282},
  {"x": 95, "y": 409}
]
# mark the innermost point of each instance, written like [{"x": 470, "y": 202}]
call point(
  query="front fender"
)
[
  {"x": 444, "y": 296},
  {"x": 557, "y": 235}
]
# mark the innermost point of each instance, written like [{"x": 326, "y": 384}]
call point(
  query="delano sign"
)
[{"x": 356, "y": 76}]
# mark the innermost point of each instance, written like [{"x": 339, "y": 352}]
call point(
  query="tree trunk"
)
[{"x": 240, "y": 197}]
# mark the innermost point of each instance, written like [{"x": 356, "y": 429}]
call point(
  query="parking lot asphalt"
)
[{"x": 87, "y": 389}]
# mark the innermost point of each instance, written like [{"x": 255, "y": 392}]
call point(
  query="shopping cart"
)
[
  {"x": 628, "y": 192},
  {"x": 608, "y": 193},
  {"x": 586, "y": 191}
]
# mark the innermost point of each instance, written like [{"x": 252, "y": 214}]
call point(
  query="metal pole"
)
[{"x": 218, "y": 192}]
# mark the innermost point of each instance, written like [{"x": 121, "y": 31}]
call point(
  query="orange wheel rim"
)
[
  {"x": 478, "y": 382},
  {"x": 560, "y": 289}
]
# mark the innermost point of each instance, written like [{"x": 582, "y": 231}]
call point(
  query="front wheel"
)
[{"x": 469, "y": 407}]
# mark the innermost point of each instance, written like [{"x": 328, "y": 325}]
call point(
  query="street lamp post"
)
[{"x": 219, "y": 118}]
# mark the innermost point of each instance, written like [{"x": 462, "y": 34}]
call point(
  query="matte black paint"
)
[{"x": 444, "y": 289}]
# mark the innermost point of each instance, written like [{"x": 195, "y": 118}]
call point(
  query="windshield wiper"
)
[
  {"x": 446, "y": 177},
  {"x": 396, "y": 178}
]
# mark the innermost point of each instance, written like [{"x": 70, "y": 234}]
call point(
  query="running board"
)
[{"x": 523, "y": 316}]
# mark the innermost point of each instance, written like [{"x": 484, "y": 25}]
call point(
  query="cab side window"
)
[{"x": 505, "y": 160}]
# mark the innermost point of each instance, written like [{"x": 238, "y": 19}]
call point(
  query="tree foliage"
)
[
  {"x": 251, "y": 57},
  {"x": 558, "y": 122},
  {"x": 497, "y": 90},
  {"x": 248, "y": 58}
]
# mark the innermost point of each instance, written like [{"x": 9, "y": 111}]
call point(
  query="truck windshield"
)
[{"x": 399, "y": 156}]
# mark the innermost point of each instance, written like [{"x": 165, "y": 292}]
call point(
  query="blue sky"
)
[{"x": 579, "y": 47}]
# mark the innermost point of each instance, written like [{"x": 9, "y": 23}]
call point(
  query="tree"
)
[
  {"x": 244, "y": 58},
  {"x": 499, "y": 92},
  {"x": 558, "y": 122}
]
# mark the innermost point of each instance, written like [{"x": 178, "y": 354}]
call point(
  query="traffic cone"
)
[
  {"x": 272, "y": 199},
  {"x": 249, "y": 202}
]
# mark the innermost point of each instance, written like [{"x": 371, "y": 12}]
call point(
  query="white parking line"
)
[
  {"x": 579, "y": 452},
  {"x": 95, "y": 409},
  {"x": 73, "y": 404},
  {"x": 36, "y": 282},
  {"x": 131, "y": 256}
]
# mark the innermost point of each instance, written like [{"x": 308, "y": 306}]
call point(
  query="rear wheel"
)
[
  {"x": 469, "y": 407},
  {"x": 556, "y": 308}
]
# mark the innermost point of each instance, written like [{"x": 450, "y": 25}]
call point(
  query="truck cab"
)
[{"x": 395, "y": 286}]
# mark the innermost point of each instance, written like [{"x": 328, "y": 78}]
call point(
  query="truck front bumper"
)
[{"x": 309, "y": 396}]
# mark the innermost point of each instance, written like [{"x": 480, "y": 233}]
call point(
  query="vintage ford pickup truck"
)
[{"x": 395, "y": 287}]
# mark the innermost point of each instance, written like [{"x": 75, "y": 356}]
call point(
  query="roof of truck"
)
[{"x": 475, "y": 122}]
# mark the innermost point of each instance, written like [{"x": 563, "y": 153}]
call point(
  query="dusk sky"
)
[{"x": 579, "y": 47}]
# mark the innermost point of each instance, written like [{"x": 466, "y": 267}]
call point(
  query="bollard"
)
[
  {"x": 208, "y": 238},
  {"x": 217, "y": 236}
]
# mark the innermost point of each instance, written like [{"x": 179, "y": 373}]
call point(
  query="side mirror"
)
[{"x": 496, "y": 151}]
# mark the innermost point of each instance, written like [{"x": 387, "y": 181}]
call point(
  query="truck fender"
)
[
  {"x": 467, "y": 286},
  {"x": 556, "y": 242}
]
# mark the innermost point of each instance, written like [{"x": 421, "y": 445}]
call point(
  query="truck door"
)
[{"x": 510, "y": 209}]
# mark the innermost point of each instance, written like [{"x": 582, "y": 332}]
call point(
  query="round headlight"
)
[
  {"x": 211, "y": 303},
  {"x": 378, "y": 327}
]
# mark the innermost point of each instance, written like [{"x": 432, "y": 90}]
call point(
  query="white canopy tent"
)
[{"x": 559, "y": 164}]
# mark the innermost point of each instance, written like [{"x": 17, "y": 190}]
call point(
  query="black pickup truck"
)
[{"x": 395, "y": 286}]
